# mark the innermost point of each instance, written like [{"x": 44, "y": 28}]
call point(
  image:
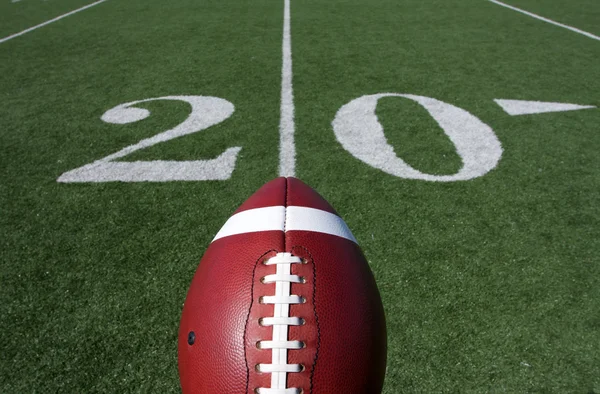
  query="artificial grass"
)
[{"x": 489, "y": 285}]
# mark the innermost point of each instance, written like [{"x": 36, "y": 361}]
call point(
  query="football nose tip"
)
[{"x": 286, "y": 192}]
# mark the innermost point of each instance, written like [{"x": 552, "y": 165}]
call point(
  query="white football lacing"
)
[{"x": 281, "y": 320}]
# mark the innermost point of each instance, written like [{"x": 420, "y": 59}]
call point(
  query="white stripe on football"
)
[{"x": 280, "y": 218}]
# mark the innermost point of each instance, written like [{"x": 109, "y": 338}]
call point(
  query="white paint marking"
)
[
  {"x": 585, "y": 33},
  {"x": 206, "y": 112},
  {"x": 50, "y": 21},
  {"x": 274, "y": 218},
  {"x": 287, "y": 148},
  {"x": 357, "y": 128},
  {"x": 521, "y": 107}
]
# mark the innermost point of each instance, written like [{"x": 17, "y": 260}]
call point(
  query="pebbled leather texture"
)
[{"x": 344, "y": 328}]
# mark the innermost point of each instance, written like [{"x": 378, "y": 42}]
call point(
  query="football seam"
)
[
  {"x": 314, "y": 268},
  {"x": 285, "y": 216},
  {"x": 248, "y": 316}
]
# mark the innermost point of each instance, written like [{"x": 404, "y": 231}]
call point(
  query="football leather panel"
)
[
  {"x": 300, "y": 194},
  {"x": 351, "y": 355},
  {"x": 217, "y": 310},
  {"x": 269, "y": 195}
]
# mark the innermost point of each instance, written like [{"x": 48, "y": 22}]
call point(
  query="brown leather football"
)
[{"x": 283, "y": 302}]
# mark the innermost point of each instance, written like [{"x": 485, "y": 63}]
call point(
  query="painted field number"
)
[
  {"x": 206, "y": 112},
  {"x": 355, "y": 125},
  {"x": 358, "y": 130}
]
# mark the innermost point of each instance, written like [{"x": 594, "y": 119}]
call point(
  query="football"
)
[{"x": 283, "y": 302}]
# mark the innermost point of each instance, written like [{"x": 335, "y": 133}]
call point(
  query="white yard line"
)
[
  {"x": 287, "y": 148},
  {"x": 585, "y": 33},
  {"x": 50, "y": 21}
]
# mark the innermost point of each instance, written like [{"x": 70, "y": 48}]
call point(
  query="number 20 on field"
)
[{"x": 355, "y": 126}]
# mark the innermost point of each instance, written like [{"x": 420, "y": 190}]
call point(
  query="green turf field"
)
[{"x": 491, "y": 283}]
